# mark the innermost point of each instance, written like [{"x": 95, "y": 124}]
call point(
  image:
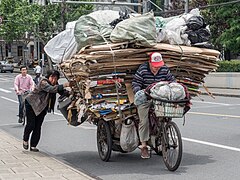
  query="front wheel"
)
[
  {"x": 172, "y": 146},
  {"x": 104, "y": 140}
]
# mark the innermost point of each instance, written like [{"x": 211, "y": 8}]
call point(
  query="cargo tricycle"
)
[{"x": 165, "y": 136}]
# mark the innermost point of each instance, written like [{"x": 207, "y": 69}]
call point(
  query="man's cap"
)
[{"x": 156, "y": 59}]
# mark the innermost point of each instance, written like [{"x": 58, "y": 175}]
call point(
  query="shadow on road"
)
[{"x": 129, "y": 163}]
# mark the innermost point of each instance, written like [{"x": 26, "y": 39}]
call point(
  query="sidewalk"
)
[{"x": 19, "y": 164}]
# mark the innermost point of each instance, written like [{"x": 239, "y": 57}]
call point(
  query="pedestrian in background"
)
[
  {"x": 40, "y": 101},
  {"x": 22, "y": 83},
  {"x": 38, "y": 73}
]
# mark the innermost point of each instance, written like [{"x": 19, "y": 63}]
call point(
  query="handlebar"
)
[{"x": 26, "y": 92}]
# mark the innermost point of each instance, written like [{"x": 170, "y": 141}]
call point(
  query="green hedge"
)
[{"x": 229, "y": 66}]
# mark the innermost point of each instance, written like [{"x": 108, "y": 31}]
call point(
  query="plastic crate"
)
[{"x": 164, "y": 109}]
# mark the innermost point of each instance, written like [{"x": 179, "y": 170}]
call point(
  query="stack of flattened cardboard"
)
[
  {"x": 188, "y": 64},
  {"x": 104, "y": 72}
]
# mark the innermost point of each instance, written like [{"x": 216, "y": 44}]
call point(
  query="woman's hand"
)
[{"x": 69, "y": 84}]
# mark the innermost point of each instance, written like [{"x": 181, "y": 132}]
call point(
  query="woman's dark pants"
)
[{"x": 34, "y": 124}]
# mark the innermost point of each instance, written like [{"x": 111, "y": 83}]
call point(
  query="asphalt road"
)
[{"x": 211, "y": 140}]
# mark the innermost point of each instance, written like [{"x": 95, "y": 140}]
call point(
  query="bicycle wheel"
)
[
  {"x": 172, "y": 146},
  {"x": 104, "y": 140}
]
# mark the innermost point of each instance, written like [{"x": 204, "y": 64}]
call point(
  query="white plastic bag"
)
[
  {"x": 128, "y": 138},
  {"x": 168, "y": 91},
  {"x": 63, "y": 46}
]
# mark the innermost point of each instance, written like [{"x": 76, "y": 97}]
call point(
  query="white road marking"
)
[
  {"x": 3, "y": 79},
  {"x": 9, "y": 99},
  {"x": 4, "y": 90},
  {"x": 211, "y": 114},
  {"x": 88, "y": 127},
  {"x": 85, "y": 126},
  {"x": 207, "y": 102},
  {"x": 212, "y": 144}
]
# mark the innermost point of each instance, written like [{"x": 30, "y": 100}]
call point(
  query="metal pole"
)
[
  {"x": 166, "y": 5},
  {"x": 38, "y": 44},
  {"x": 139, "y": 7},
  {"x": 145, "y": 8},
  {"x": 155, "y": 5},
  {"x": 24, "y": 60},
  {"x": 186, "y": 6},
  {"x": 2, "y": 52},
  {"x": 63, "y": 9}
]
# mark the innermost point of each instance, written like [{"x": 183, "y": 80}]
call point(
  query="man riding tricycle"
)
[{"x": 146, "y": 123}]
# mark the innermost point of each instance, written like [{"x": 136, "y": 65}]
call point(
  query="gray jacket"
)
[{"x": 40, "y": 96}]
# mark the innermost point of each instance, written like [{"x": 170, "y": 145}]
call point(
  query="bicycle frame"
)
[{"x": 24, "y": 107}]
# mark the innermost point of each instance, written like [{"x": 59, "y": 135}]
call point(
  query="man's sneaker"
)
[
  {"x": 145, "y": 153},
  {"x": 20, "y": 120}
]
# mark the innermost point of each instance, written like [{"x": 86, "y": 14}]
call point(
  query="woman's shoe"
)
[
  {"x": 25, "y": 145},
  {"x": 34, "y": 149}
]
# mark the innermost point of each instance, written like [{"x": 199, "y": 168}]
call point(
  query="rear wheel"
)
[
  {"x": 172, "y": 146},
  {"x": 104, "y": 140}
]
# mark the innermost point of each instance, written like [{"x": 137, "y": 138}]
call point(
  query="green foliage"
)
[
  {"x": 229, "y": 66},
  {"x": 74, "y": 11},
  {"x": 224, "y": 23},
  {"x": 11, "y": 29},
  {"x": 41, "y": 21}
]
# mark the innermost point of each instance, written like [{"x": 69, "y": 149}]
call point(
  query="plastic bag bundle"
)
[
  {"x": 168, "y": 91},
  {"x": 196, "y": 22},
  {"x": 197, "y": 31},
  {"x": 128, "y": 138},
  {"x": 63, "y": 46},
  {"x": 123, "y": 16},
  {"x": 141, "y": 29},
  {"x": 140, "y": 98},
  {"x": 94, "y": 28}
]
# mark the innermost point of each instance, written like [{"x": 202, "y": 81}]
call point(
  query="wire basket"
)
[{"x": 165, "y": 109}]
